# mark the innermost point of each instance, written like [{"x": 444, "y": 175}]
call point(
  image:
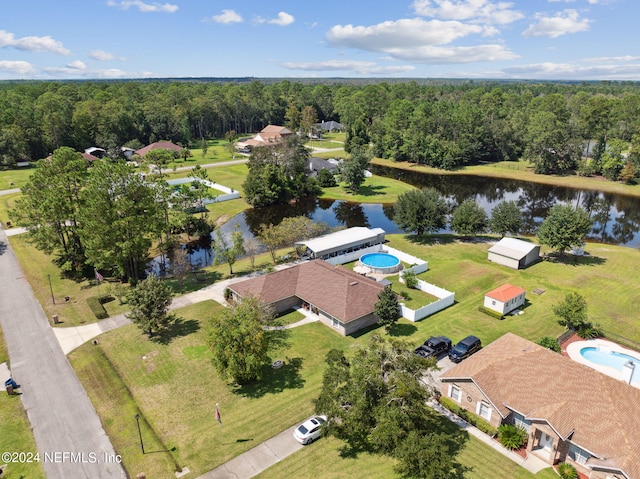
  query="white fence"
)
[
  {"x": 419, "y": 265},
  {"x": 229, "y": 193},
  {"x": 445, "y": 299}
]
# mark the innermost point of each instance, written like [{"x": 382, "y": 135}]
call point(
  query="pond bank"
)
[{"x": 511, "y": 170}]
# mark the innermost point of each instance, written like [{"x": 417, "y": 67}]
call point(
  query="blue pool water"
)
[
  {"x": 608, "y": 358},
  {"x": 379, "y": 260}
]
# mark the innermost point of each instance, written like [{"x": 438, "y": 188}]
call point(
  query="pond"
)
[{"x": 616, "y": 217}]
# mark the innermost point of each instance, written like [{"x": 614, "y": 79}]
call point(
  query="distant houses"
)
[
  {"x": 270, "y": 135},
  {"x": 165, "y": 145},
  {"x": 514, "y": 253}
]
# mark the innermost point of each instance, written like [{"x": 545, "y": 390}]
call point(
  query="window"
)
[
  {"x": 455, "y": 393},
  {"x": 484, "y": 410},
  {"x": 521, "y": 422},
  {"x": 493, "y": 303},
  {"x": 577, "y": 454}
]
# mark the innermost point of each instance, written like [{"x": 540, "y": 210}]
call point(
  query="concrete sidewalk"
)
[
  {"x": 257, "y": 459},
  {"x": 531, "y": 463}
]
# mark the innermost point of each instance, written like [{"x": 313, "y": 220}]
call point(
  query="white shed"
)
[
  {"x": 514, "y": 253},
  {"x": 505, "y": 298}
]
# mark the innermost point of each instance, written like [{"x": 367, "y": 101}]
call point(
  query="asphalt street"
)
[{"x": 67, "y": 430}]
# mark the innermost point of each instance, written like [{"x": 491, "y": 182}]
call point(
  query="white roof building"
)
[
  {"x": 343, "y": 241},
  {"x": 514, "y": 253}
]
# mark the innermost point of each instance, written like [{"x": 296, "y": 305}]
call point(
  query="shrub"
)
[
  {"x": 490, "y": 312},
  {"x": 410, "y": 279},
  {"x": 512, "y": 437},
  {"x": 97, "y": 308},
  {"x": 549, "y": 343},
  {"x": 590, "y": 331},
  {"x": 567, "y": 471},
  {"x": 227, "y": 294},
  {"x": 471, "y": 418}
]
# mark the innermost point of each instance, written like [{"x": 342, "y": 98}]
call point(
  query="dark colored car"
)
[
  {"x": 465, "y": 348},
  {"x": 433, "y": 347}
]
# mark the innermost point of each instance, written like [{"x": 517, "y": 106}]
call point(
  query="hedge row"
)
[
  {"x": 97, "y": 308},
  {"x": 470, "y": 417},
  {"x": 490, "y": 312}
]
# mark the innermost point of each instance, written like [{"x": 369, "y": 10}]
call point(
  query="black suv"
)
[
  {"x": 465, "y": 348},
  {"x": 433, "y": 346}
]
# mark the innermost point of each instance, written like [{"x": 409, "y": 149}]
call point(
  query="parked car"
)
[
  {"x": 309, "y": 431},
  {"x": 465, "y": 348},
  {"x": 433, "y": 347}
]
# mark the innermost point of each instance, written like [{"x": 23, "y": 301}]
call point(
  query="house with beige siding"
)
[
  {"x": 342, "y": 299},
  {"x": 571, "y": 412}
]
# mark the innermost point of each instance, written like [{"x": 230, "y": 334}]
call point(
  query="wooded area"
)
[{"x": 443, "y": 125}]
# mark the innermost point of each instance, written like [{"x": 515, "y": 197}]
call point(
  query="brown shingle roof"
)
[
  {"x": 340, "y": 292},
  {"x": 167, "y": 145},
  {"x": 598, "y": 413}
]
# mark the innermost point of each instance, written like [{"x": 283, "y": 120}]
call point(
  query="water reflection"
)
[{"x": 616, "y": 218}]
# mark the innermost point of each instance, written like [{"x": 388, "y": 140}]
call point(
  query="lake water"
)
[{"x": 616, "y": 217}]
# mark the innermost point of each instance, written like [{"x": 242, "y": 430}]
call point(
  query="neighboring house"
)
[
  {"x": 354, "y": 242},
  {"x": 341, "y": 298},
  {"x": 89, "y": 157},
  {"x": 571, "y": 412},
  {"x": 317, "y": 164},
  {"x": 514, "y": 253},
  {"x": 96, "y": 152},
  {"x": 127, "y": 152},
  {"x": 166, "y": 145},
  {"x": 270, "y": 135},
  {"x": 504, "y": 299},
  {"x": 329, "y": 126}
]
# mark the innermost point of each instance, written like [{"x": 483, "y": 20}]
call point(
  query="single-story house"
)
[
  {"x": 270, "y": 135},
  {"x": 571, "y": 412},
  {"x": 514, "y": 253},
  {"x": 317, "y": 164},
  {"x": 329, "y": 126},
  {"x": 341, "y": 298},
  {"x": 504, "y": 299},
  {"x": 343, "y": 242},
  {"x": 166, "y": 145}
]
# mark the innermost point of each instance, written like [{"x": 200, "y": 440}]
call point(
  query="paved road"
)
[{"x": 63, "y": 419}]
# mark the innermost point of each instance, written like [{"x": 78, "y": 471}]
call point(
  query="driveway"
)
[{"x": 67, "y": 430}]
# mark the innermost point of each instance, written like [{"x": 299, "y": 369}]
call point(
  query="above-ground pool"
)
[
  {"x": 383, "y": 263},
  {"x": 612, "y": 359}
]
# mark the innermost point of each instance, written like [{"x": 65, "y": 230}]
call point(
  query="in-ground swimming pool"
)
[
  {"x": 612, "y": 359},
  {"x": 384, "y": 263}
]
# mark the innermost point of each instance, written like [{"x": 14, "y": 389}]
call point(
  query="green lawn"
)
[
  {"x": 15, "y": 177},
  {"x": 6, "y": 203},
  {"x": 375, "y": 189}
]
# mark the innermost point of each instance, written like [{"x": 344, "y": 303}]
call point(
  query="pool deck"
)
[{"x": 573, "y": 351}]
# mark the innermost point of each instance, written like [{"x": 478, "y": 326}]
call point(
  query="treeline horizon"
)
[{"x": 444, "y": 123}]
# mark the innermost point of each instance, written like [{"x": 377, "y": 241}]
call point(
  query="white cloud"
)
[
  {"x": 227, "y": 16},
  {"x": 142, "y": 6},
  {"x": 418, "y": 40},
  {"x": 585, "y": 69},
  {"x": 32, "y": 44},
  {"x": 567, "y": 21},
  {"x": 363, "y": 68},
  {"x": 17, "y": 67},
  {"x": 101, "y": 55},
  {"x": 282, "y": 20},
  {"x": 483, "y": 11}
]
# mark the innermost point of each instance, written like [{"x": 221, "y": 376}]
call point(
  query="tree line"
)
[{"x": 591, "y": 128}]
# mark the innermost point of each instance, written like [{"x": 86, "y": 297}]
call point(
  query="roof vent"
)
[{"x": 353, "y": 283}]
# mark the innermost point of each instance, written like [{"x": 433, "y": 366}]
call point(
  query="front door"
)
[{"x": 546, "y": 441}]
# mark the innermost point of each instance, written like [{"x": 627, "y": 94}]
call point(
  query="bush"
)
[
  {"x": 227, "y": 294},
  {"x": 97, "y": 308},
  {"x": 490, "y": 312},
  {"x": 549, "y": 343},
  {"x": 326, "y": 178},
  {"x": 590, "y": 331},
  {"x": 410, "y": 279},
  {"x": 512, "y": 437},
  {"x": 567, "y": 471},
  {"x": 471, "y": 418}
]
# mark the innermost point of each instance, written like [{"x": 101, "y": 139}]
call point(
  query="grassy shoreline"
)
[{"x": 519, "y": 171}]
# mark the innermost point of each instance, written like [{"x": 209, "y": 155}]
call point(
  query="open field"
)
[{"x": 520, "y": 171}]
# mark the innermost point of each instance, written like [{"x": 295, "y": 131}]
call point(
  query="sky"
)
[{"x": 483, "y": 39}]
